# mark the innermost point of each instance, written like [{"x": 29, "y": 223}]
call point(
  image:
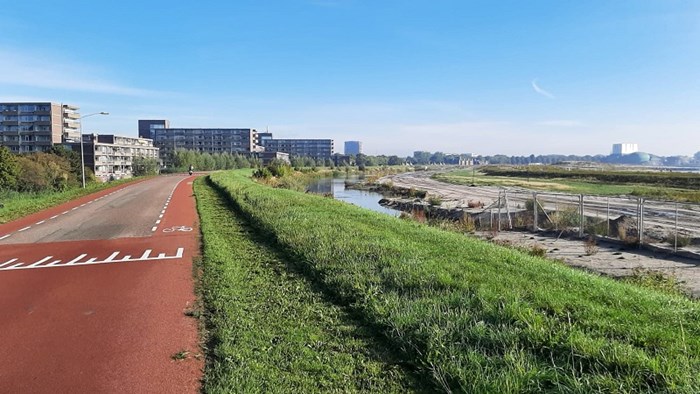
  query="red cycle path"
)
[{"x": 109, "y": 327}]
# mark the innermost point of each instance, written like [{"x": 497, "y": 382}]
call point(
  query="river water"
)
[{"x": 361, "y": 198}]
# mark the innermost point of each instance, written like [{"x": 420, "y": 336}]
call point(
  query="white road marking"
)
[
  {"x": 10, "y": 261},
  {"x": 82, "y": 205},
  {"x": 146, "y": 256},
  {"x": 53, "y": 217},
  {"x": 158, "y": 221},
  {"x": 5, "y": 236},
  {"x": 40, "y": 222},
  {"x": 64, "y": 213},
  {"x": 160, "y": 216},
  {"x": 112, "y": 256},
  {"x": 74, "y": 208},
  {"x": 76, "y": 259},
  {"x": 154, "y": 228},
  {"x": 40, "y": 261},
  {"x": 162, "y": 212},
  {"x": 23, "y": 229}
]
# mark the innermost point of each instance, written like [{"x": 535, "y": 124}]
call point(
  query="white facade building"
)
[{"x": 624, "y": 148}]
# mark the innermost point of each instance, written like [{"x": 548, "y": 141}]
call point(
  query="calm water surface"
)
[{"x": 361, "y": 198}]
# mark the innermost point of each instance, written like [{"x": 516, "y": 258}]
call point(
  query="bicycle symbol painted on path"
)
[{"x": 177, "y": 228}]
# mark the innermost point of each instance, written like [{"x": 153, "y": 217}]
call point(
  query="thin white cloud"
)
[
  {"x": 44, "y": 72},
  {"x": 540, "y": 90}
]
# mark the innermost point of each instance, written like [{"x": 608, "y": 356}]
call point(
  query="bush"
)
[
  {"x": 434, "y": 200},
  {"x": 263, "y": 173},
  {"x": 279, "y": 168},
  {"x": 590, "y": 246}
]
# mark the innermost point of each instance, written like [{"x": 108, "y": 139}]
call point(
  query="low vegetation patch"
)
[
  {"x": 473, "y": 316},
  {"x": 269, "y": 328}
]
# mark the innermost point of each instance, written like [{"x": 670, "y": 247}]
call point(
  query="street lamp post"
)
[{"x": 82, "y": 155}]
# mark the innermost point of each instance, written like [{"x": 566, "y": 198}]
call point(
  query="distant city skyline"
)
[{"x": 509, "y": 77}]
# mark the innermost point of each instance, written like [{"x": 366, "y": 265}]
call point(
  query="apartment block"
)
[
  {"x": 316, "y": 148},
  {"x": 353, "y": 147},
  {"x": 147, "y": 127},
  {"x": 37, "y": 126},
  {"x": 210, "y": 140},
  {"x": 112, "y": 156}
]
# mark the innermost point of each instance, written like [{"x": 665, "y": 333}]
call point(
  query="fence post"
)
[
  {"x": 641, "y": 222},
  {"x": 675, "y": 232},
  {"x": 581, "y": 218},
  {"x": 607, "y": 219},
  {"x": 499, "y": 211},
  {"x": 534, "y": 212}
]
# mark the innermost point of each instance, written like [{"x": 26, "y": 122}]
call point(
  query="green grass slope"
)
[
  {"x": 270, "y": 330},
  {"x": 476, "y": 317}
]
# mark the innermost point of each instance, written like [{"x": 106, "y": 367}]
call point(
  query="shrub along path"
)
[
  {"x": 269, "y": 328},
  {"x": 472, "y": 316}
]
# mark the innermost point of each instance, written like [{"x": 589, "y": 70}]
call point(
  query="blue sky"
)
[{"x": 486, "y": 77}]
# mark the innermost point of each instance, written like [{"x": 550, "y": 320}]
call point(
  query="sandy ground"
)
[{"x": 611, "y": 259}]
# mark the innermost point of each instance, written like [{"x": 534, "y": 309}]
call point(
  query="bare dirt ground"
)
[{"x": 611, "y": 259}]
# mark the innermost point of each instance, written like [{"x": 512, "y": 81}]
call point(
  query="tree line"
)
[
  {"x": 55, "y": 170},
  {"x": 180, "y": 160}
]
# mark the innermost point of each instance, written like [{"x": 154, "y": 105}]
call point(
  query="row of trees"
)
[
  {"x": 180, "y": 160},
  {"x": 56, "y": 170}
]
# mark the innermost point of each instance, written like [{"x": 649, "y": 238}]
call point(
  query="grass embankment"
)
[
  {"x": 476, "y": 317},
  {"x": 270, "y": 330},
  {"x": 17, "y": 205},
  {"x": 583, "y": 182}
]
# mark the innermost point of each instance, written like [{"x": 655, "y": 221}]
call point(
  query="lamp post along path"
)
[{"x": 82, "y": 152}]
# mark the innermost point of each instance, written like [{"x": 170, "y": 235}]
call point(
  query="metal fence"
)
[{"x": 668, "y": 225}]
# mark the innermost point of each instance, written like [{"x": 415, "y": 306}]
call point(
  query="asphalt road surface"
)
[{"x": 93, "y": 294}]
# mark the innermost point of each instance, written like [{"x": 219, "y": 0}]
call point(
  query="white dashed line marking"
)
[
  {"x": 158, "y": 221},
  {"x": 154, "y": 229},
  {"x": 40, "y": 222},
  {"x": 5, "y": 236},
  {"x": 65, "y": 212},
  {"x": 23, "y": 229}
]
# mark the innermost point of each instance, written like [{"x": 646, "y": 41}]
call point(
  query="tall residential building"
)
[
  {"x": 624, "y": 149},
  {"x": 147, "y": 127},
  {"x": 353, "y": 147},
  {"x": 36, "y": 127},
  {"x": 315, "y": 148},
  {"x": 205, "y": 140},
  {"x": 112, "y": 156}
]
